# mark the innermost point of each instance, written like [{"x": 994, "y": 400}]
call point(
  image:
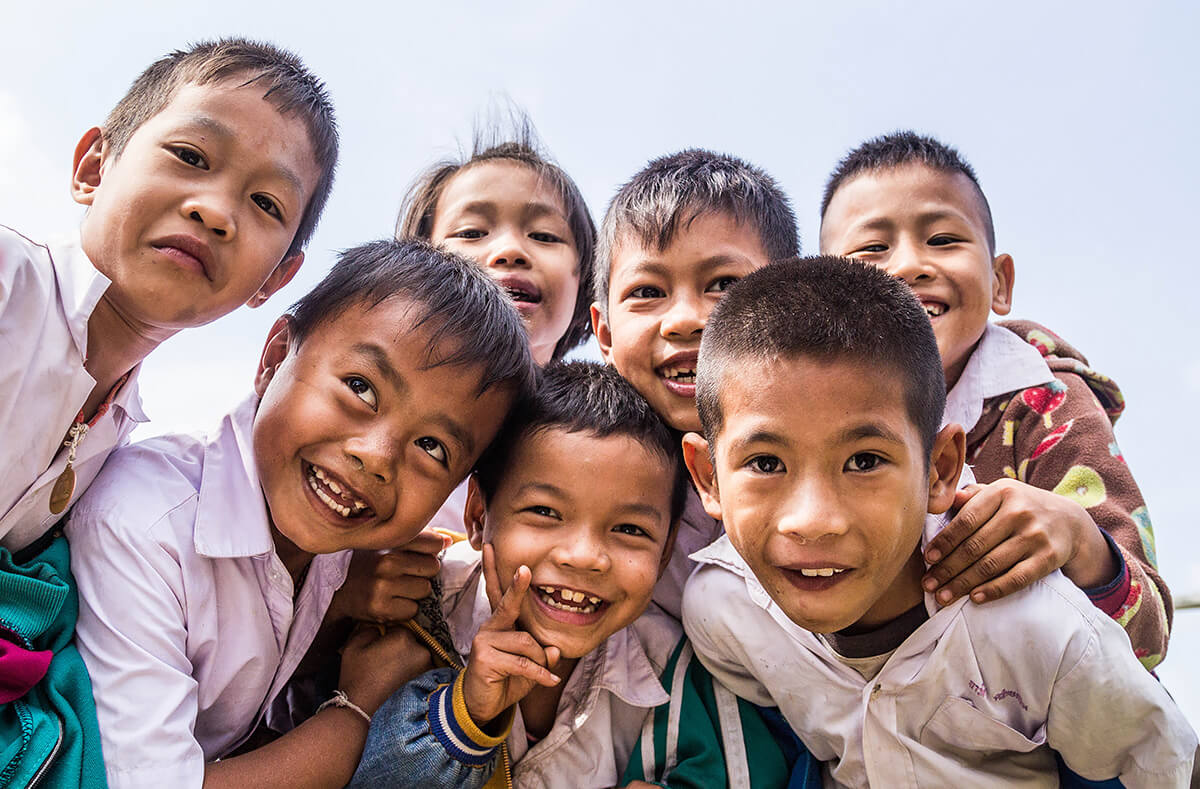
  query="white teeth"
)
[
  {"x": 594, "y": 600},
  {"x": 934, "y": 310},
  {"x": 328, "y": 500},
  {"x": 823, "y": 572},
  {"x": 551, "y": 596}
]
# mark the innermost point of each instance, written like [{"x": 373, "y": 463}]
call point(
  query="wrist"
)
[{"x": 1093, "y": 564}]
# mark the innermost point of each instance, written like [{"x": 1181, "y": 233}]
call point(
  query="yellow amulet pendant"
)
[{"x": 64, "y": 487}]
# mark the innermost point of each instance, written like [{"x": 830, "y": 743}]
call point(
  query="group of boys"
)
[{"x": 827, "y": 408}]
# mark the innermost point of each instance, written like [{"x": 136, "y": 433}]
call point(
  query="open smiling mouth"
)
[
  {"x": 521, "y": 296},
  {"x": 569, "y": 600},
  {"x": 336, "y": 495},
  {"x": 934, "y": 308}
]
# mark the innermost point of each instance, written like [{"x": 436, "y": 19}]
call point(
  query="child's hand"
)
[
  {"x": 385, "y": 587},
  {"x": 374, "y": 665},
  {"x": 505, "y": 663},
  {"x": 1008, "y": 534}
]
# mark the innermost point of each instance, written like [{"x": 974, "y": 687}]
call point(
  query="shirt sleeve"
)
[
  {"x": 1063, "y": 442},
  {"x": 422, "y": 737},
  {"x": 132, "y": 634},
  {"x": 1108, "y": 718}
]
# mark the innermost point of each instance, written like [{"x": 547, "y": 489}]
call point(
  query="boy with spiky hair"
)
[
  {"x": 674, "y": 238},
  {"x": 1056, "y": 492},
  {"x": 821, "y": 392},
  {"x": 206, "y": 564},
  {"x": 202, "y": 188}
]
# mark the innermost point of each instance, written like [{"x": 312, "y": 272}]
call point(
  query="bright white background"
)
[{"x": 1080, "y": 119}]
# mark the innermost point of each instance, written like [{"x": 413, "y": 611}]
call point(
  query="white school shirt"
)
[
  {"x": 186, "y": 615},
  {"x": 604, "y": 703},
  {"x": 977, "y": 696},
  {"x": 47, "y": 294},
  {"x": 1001, "y": 363}
]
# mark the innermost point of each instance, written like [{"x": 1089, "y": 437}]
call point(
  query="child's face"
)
[
  {"x": 196, "y": 214},
  {"x": 504, "y": 216},
  {"x": 822, "y": 486},
  {"x": 928, "y": 228},
  {"x": 658, "y": 304},
  {"x": 590, "y": 518},
  {"x": 357, "y": 445}
]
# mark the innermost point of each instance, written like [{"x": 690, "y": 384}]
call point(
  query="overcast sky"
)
[{"x": 1080, "y": 120}]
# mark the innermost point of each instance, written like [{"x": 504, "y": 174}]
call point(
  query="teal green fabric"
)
[
  {"x": 700, "y": 759},
  {"x": 50, "y": 734}
]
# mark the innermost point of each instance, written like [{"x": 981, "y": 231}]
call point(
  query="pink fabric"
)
[{"x": 20, "y": 670}]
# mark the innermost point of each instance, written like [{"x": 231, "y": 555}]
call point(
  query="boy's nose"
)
[
  {"x": 376, "y": 454},
  {"x": 213, "y": 214},
  {"x": 580, "y": 551},
  {"x": 908, "y": 264},
  {"x": 684, "y": 318},
  {"x": 507, "y": 253},
  {"x": 811, "y": 512}
]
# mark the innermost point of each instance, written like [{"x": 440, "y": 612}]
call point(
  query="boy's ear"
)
[
  {"x": 699, "y": 465},
  {"x": 281, "y": 276},
  {"x": 87, "y": 166},
  {"x": 475, "y": 513},
  {"x": 601, "y": 332},
  {"x": 1002, "y": 284},
  {"x": 945, "y": 466},
  {"x": 279, "y": 342}
]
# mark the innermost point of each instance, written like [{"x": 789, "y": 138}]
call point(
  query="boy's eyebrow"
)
[
  {"x": 457, "y": 432},
  {"x": 651, "y": 266},
  {"x": 216, "y": 127},
  {"x": 758, "y": 437},
  {"x": 869, "y": 430}
]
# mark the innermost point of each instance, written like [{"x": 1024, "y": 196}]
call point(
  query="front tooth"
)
[
  {"x": 594, "y": 600},
  {"x": 336, "y": 488},
  {"x": 320, "y": 474},
  {"x": 825, "y": 572},
  {"x": 574, "y": 597}
]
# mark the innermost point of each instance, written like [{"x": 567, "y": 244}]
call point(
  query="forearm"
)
[{"x": 321, "y": 752}]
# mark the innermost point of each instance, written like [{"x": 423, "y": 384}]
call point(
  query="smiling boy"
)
[
  {"x": 1060, "y": 494},
  {"x": 205, "y": 566},
  {"x": 821, "y": 393},
  {"x": 202, "y": 188},
  {"x": 674, "y": 238},
  {"x": 562, "y": 654}
]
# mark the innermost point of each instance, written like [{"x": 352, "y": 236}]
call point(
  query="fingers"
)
[
  {"x": 1019, "y": 576},
  {"x": 516, "y": 654},
  {"x": 504, "y": 615},
  {"x": 967, "y": 537},
  {"x": 491, "y": 581},
  {"x": 428, "y": 542},
  {"x": 960, "y": 527}
]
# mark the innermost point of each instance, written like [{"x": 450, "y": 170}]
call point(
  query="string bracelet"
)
[{"x": 340, "y": 699}]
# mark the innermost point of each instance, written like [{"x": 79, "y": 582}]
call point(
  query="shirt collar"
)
[
  {"x": 1002, "y": 362},
  {"x": 231, "y": 515}
]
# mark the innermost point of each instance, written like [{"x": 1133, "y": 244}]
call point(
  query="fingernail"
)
[
  {"x": 944, "y": 596},
  {"x": 929, "y": 584},
  {"x": 933, "y": 555},
  {"x": 979, "y": 597}
]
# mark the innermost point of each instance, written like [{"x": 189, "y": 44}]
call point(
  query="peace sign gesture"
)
[{"x": 505, "y": 663}]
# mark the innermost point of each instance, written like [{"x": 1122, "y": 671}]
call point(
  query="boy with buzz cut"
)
[
  {"x": 206, "y": 564},
  {"x": 202, "y": 188},
  {"x": 1057, "y": 492},
  {"x": 674, "y": 238},
  {"x": 556, "y": 654},
  {"x": 821, "y": 390}
]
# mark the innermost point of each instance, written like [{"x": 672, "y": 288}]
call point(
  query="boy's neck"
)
[
  {"x": 540, "y": 707},
  {"x": 294, "y": 559},
  {"x": 904, "y": 592},
  {"x": 115, "y": 345}
]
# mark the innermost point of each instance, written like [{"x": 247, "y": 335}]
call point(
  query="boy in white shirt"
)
[
  {"x": 821, "y": 391},
  {"x": 202, "y": 188},
  {"x": 205, "y": 566}
]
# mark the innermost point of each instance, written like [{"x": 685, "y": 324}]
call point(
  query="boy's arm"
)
[
  {"x": 424, "y": 737},
  {"x": 1059, "y": 440},
  {"x": 1109, "y": 718}
]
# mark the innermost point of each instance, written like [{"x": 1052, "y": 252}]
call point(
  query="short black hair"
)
[
  {"x": 897, "y": 149},
  {"x": 465, "y": 309},
  {"x": 585, "y": 397},
  {"x": 285, "y": 82},
  {"x": 671, "y": 191},
  {"x": 826, "y": 308},
  {"x": 521, "y": 145}
]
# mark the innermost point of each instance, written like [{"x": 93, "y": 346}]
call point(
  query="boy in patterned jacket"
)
[{"x": 1055, "y": 491}]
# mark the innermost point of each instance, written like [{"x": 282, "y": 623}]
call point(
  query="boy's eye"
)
[
  {"x": 631, "y": 530},
  {"x": 942, "y": 240},
  {"x": 766, "y": 464},
  {"x": 268, "y": 205},
  {"x": 435, "y": 449},
  {"x": 363, "y": 389},
  {"x": 542, "y": 510},
  {"x": 646, "y": 292},
  {"x": 722, "y": 284},
  {"x": 469, "y": 233},
  {"x": 546, "y": 238},
  {"x": 190, "y": 156},
  {"x": 863, "y": 461},
  {"x": 867, "y": 249}
]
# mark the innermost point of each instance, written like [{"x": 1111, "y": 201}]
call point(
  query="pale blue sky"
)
[{"x": 1079, "y": 118}]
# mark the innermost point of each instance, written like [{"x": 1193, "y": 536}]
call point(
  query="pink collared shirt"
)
[
  {"x": 187, "y": 622},
  {"x": 47, "y": 294}
]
